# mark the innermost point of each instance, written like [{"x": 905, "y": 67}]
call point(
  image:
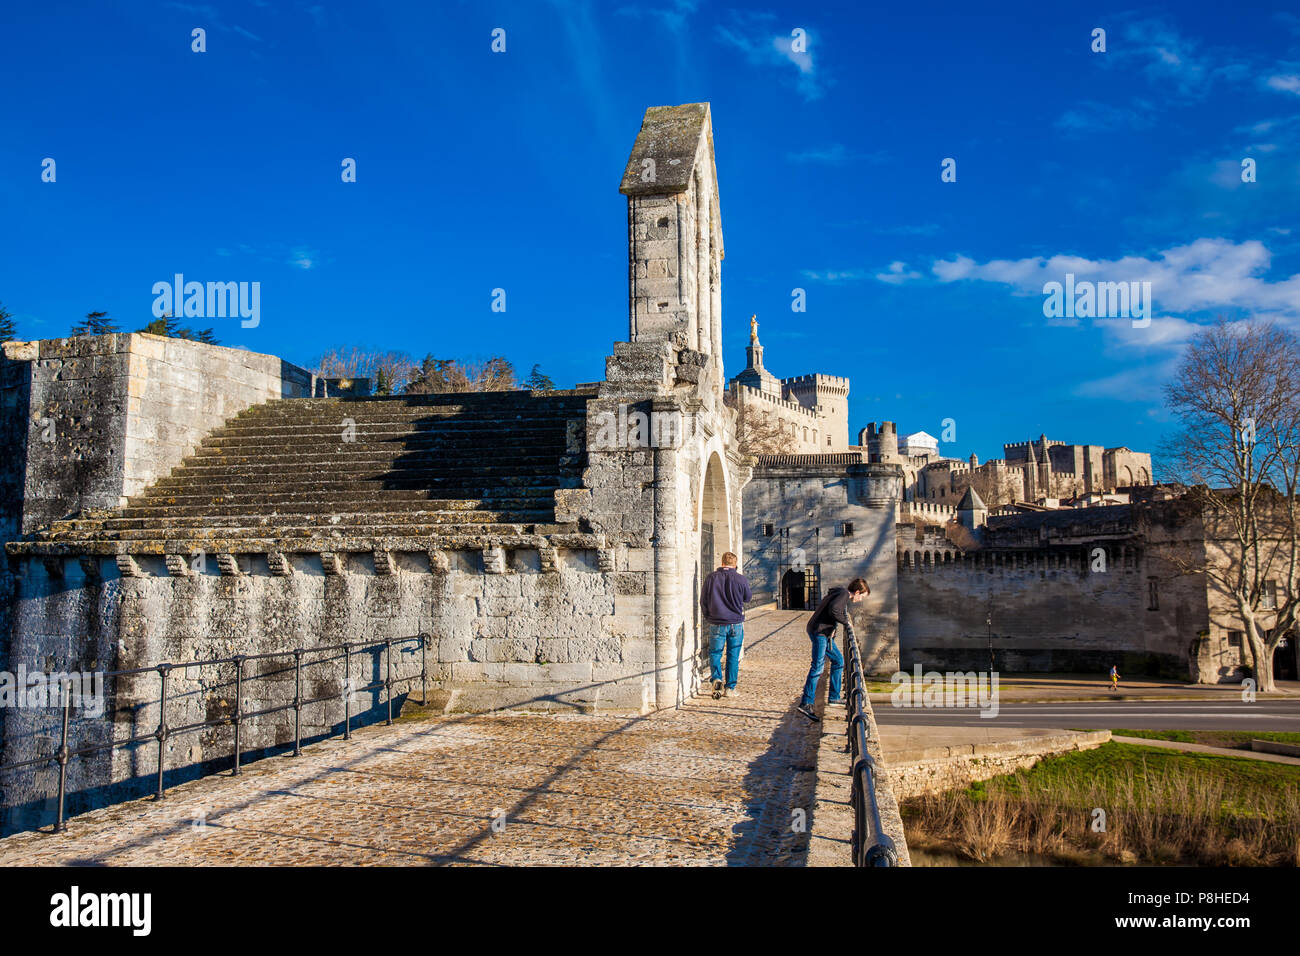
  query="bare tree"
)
[
  {"x": 449, "y": 375},
  {"x": 758, "y": 433},
  {"x": 1237, "y": 394},
  {"x": 995, "y": 488},
  {"x": 388, "y": 370}
]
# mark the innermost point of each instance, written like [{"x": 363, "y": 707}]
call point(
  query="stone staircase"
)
[{"x": 341, "y": 473}]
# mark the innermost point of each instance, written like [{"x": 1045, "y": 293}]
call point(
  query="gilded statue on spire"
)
[{"x": 753, "y": 329}]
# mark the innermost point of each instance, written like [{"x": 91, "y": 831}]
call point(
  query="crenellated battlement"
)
[
  {"x": 829, "y": 382},
  {"x": 1094, "y": 558},
  {"x": 809, "y": 411}
]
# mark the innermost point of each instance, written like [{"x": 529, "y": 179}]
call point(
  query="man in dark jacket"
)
[
  {"x": 833, "y": 610},
  {"x": 722, "y": 599}
]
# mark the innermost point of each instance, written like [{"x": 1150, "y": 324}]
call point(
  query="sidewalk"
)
[
  {"x": 1027, "y": 688},
  {"x": 1204, "y": 749}
]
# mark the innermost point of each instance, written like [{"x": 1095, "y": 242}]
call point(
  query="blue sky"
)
[{"x": 479, "y": 170}]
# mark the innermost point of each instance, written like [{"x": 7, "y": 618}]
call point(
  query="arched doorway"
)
[
  {"x": 714, "y": 523},
  {"x": 1286, "y": 659}
]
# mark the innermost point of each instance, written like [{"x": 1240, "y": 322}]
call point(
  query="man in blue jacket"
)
[
  {"x": 722, "y": 599},
  {"x": 834, "y": 610}
]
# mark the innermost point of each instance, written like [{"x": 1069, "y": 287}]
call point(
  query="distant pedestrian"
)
[
  {"x": 833, "y": 610},
  {"x": 722, "y": 599},
  {"x": 1114, "y": 677}
]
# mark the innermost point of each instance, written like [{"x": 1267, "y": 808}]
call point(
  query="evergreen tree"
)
[
  {"x": 169, "y": 327},
  {"x": 95, "y": 323},
  {"x": 8, "y": 331},
  {"x": 382, "y": 385},
  {"x": 538, "y": 381}
]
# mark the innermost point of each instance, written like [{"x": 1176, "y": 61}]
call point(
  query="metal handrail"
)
[
  {"x": 872, "y": 846},
  {"x": 163, "y": 732}
]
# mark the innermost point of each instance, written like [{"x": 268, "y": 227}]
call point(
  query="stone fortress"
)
[
  {"x": 807, "y": 414},
  {"x": 170, "y": 501},
  {"x": 1029, "y": 471}
]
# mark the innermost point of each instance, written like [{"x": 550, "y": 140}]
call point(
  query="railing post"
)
[
  {"x": 424, "y": 670},
  {"x": 239, "y": 706},
  {"x": 388, "y": 678},
  {"x": 62, "y": 756},
  {"x": 161, "y": 733},
  {"x": 347, "y": 690},
  {"x": 297, "y": 702}
]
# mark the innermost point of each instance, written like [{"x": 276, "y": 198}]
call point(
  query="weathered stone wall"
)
[
  {"x": 15, "y": 388},
  {"x": 533, "y": 635},
  {"x": 1050, "y": 612},
  {"x": 112, "y": 413},
  {"x": 812, "y": 503}
]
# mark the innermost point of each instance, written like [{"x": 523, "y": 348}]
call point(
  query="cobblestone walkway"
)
[{"x": 714, "y": 782}]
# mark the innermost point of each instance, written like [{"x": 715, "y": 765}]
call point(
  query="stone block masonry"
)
[
  {"x": 198, "y": 504},
  {"x": 107, "y": 415}
]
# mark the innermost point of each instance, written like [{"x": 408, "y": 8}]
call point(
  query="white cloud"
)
[
  {"x": 1203, "y": 276},
  {"x": 898, "y": 274},
  {"x": 830, "y": 275},
  {"x": 1287, "y": 83},
  {"x": 763, "y": 43}
]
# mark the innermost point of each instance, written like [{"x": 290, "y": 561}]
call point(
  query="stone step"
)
[
  {"x": 397, "y": 446},
  {"x": 498, "y": 432},
  {"x": 327, "y": 519},
  {"x": 463, "y": 485},
  {"x": 289, "y": 453},
  {"x": 308, "y": 531},
  {"x": 472, "y": 400},
  {"x": 256, "y": 503},
  {"x": 488, "y": 474}
]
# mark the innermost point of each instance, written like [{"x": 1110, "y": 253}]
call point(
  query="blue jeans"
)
[
  {"x": 733, "y": 635},
  {"x": 823, "y": 646}
]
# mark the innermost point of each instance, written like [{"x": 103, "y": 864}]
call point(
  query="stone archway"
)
[
  {"x": 713, "y": 519},
  {"x": 713, "y": 527}
]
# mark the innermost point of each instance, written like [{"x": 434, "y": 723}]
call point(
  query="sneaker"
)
[
  {"x": 732, "y": 692},
  {"x": 807, "y": 712},
  {"x": 837, "y": 702},
  {"x": 717, "y": 689}
]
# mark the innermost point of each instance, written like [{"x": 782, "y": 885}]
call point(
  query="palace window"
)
[
  {"x": 768, "y": 530},
  {"x": 1268, "y": 600},
  {"x": 1234, "y": 638},
  {"x": 846, "y": 529},
  {"x": 1153, "y": 595}
]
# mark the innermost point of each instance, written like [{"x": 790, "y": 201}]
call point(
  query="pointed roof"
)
[
  {"x": 670, "y": 135},
  {"x": 971, "y": 501}
]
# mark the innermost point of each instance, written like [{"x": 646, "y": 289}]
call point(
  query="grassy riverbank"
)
[{"x": 1160, "y": 807}]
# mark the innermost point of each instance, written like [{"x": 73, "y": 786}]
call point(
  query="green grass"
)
[
  {"x": 1161, "y": 806},
  {"x": 1241, "y": 775}
]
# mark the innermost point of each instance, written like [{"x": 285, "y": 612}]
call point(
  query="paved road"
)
[
  {"x": 714, "y": 783},
  {"x": 1109, "y": 714}
]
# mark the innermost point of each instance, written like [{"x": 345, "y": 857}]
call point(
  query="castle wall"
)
[
  {"x": 534, "y": 633},
  {"x": 1049, "y": 611},
  {"x": 863, "y": 495},
  {"x": 802, "y": 429},
  {"x": 112, "y": 413}
]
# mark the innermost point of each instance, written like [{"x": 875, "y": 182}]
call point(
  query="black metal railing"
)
[
  {"x": 163, "y": 732},
  {"x": 871, "y": 845}
]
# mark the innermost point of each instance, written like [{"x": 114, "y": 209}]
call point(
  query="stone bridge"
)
[{"x": 727, "y": 782}]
